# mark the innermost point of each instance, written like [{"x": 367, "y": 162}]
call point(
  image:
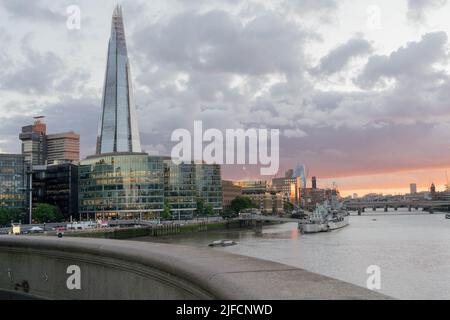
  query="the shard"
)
[{"x": 118, "y": 130}]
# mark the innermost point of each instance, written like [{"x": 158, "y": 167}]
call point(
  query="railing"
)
[{"x": 75, "y": 268}]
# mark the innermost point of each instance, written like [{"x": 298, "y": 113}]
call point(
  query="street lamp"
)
[{"x": 30, "y": 173}]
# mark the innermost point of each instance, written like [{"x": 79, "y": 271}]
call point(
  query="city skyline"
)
[{"x": 350, "y": 105}]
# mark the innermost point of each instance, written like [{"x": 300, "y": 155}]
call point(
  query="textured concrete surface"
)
[{"x": 114, "y": 269}]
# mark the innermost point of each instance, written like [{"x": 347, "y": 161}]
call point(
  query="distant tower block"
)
[{"x": 314, "y": 182}]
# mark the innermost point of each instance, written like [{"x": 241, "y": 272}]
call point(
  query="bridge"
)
[
  {"x": 74, "y": 268},
  {"x": 429, "y": 205}
]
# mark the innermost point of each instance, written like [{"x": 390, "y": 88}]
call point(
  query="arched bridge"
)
[{"x": 429, "y": 205}]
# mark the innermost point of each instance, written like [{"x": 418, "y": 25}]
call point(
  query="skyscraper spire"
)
[{"x": 118, "y": 131}]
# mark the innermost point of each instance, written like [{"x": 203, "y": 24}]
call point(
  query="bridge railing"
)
[{"x": 52, "y": 268}]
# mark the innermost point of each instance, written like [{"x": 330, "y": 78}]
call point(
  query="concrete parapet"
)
[{"x": 45, "y": 267}]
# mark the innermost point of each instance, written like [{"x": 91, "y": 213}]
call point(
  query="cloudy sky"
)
[{"x": 359, "y": 89}]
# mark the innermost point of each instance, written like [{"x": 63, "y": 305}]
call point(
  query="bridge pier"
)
[
  {"x": 395, "y": 208},
  {"x": 374, "y": 209},
  {"x": 359, "y": 211},
  {"x": 386, "y": 208},
  {"x": 409, "y": 208}
]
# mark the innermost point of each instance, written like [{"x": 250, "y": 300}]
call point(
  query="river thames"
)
[{"x": 412, "y": 251}]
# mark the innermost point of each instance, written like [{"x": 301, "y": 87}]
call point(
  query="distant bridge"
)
[{"x": 429, "y": 205}]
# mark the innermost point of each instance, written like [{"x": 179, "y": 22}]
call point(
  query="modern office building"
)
[
  {"x": 180, "y": 189},
  {"x": 270, "y": 203},
  {"x": 57, "y": 185},
  {"x": 61, "y": 188},
  {"x": 118, "y": 130},
  {"x": 209, "y": 185},
  {"x": 34, "y": 141},
  {"x": 413, "y": 188},
  {"x": 230, "y": 191},
  {"x": 12, "y": 181},
  {"x": 121, "y": 185},
  {"x": 40, "y": 148},
  {"x": 63, "y": 148}
]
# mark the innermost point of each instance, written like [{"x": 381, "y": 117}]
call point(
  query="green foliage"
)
[
  {"x": 44, "y": 213},
  {"x": 200, "y": 202},
  {"x": 8, "y": 215},
  {"x": 288, "y": 207},
  {"x": 209, "y": 210},
  {"x": 240, "y": 203},
  {"x": 166, "y": 212}
]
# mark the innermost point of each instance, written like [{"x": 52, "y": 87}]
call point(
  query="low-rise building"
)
[
  {"x": 230, "y": 190},
  {"x": 270, "y": 203}
]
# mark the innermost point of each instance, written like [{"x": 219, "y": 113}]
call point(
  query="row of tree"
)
[{"x": 42, "y": 213}]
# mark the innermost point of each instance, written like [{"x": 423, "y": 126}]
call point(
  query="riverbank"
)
[{"x": 158, "y": 230}]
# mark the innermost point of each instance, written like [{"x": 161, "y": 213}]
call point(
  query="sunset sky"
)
[{"x": 360, "y": 90}]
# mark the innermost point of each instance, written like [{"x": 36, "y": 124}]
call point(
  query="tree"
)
[
  {"x": 166, "y": 212},
  {"x": 8, "y": 215},
  {"x": 288, "y": 207},
  {"x": 44, "y": 213},
  {"x": 240, "y": 203},
  {"x": 209, "y": 210},
  {"x": 200, "y": 202}
]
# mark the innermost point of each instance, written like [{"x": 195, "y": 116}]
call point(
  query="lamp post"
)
[{"x": 30, "y": 173}]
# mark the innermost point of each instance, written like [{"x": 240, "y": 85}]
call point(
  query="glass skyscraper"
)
[
  {"x": 121, "y": 181},
  {"x": 118, "y": 130}
]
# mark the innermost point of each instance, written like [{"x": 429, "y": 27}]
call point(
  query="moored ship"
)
[{"x": 327, "y": 217}]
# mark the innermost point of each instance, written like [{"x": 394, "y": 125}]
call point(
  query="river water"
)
[{"x": 411, "y": 250}]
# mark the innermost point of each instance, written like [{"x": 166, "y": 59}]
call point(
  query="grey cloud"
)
[
  {"x": 322, "y": 9},
  {"x": 33, "y": 10},
  {"x": 36, "y": 74},
  {"x": 39, "y": 73},
  {"x": 417, "y": 8},
  {"x": 337, "y": 59},
  {"x": 415, "y": 60},
  {"x": 218, "y": 42}
]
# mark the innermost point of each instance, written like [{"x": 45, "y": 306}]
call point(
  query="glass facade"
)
[
  {"x": 61, "y": 188},
  {"x": 57, "y": 185},
  {"x": 118, "y": 130},
  {"x": 179, "y": 189},
  {"x": 209, "y": 185},
  {"x": 12, "y": 181},
  {"x": 124, "y": 186}
]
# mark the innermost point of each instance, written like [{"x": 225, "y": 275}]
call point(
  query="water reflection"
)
[{"x": 412, "y": 250}]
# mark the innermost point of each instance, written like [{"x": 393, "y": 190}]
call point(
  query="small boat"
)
[
  {"x": 223, "y": 243},
  {"x": 447, "y": 216}
]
